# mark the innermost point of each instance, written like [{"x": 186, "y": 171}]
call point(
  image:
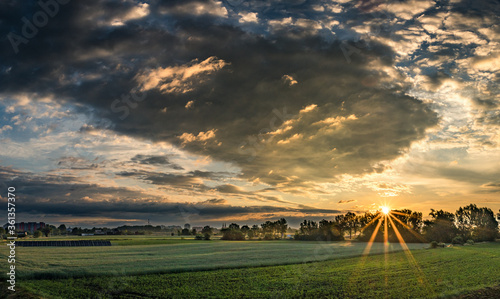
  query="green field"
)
[
  {"x": 140, "y": 255},
  {"x": 197, "y": 269}
]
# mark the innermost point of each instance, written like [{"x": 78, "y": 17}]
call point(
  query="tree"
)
[
  {"x": 282, "y": 226},
  {"x": 234, "y": 226},
  {"x": 254, "y": 231},
  {"x": 245, "y": 229},
  {"x": 185, "y": 232},
  {"x": 62, "y": 229},
  {"x": 441, "y": 228},
  {"x": 47, "y": 230},
  {"x": 267, "y": 230},
  {"x": 350, "y": 221},
  {"x": 476, "y": 223},
  {"x": 2, "y": 231},
  {"x": 232, "y": 232},
  {"x": 37, "y": 234},
  {"x": 367, "y": 226},
  {"x": 326, "y": 231},
  {"x": 207, "y": 232},
  {"x": 187, "y": 226},
  {"x": 341, "y": 223}
]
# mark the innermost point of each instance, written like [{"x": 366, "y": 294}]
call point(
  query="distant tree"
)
[
  {"x": 207, "y": 232},
  {"x": 478, "y": 224},
  {"x": 441, "y": 228},
  {"x": 282, "y": 226},
  {"x": 232, "y": 232},
  {"x": 350, "y": 221},
  {"x": 186, "y": 232},
  {"x": 234, "y": 226},
  {"x": 254, "y": 231},
  {"x": 245, "y": 229},
  {"x": 47, "y": 230},
  {"x": 341, "y": 223},
  {"x": 193, "y": 232},
  {"x": 62, "y": 229},
  {"x": 187, "y": 226},
  {"x": 37, "y": 234},
  {"x": 267, "y": 230},
  {"x": 326, "y": 231}
]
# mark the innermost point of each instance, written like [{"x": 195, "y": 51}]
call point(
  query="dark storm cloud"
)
[
  {"x": 58, "y": 188},
  {"x": 226, "y": 110},
  {"x": 156, "y": 160},
  {"x": 45, "y": 196},
  {"x": 167, "y": 179}
]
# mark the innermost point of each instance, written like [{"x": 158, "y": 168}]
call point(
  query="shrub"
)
[
  {"x": 470, "y": 242},
  {"x": 232, "y": 234},
  {"x": 198, "y": 237},
  {"x": 434, "y": 244},
  {"x": 458, "y": 240},
  {"x": 37, "y": 234}
]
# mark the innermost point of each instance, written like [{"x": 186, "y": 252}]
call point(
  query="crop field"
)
[
  {"x": 130, "y": 256},
  {"x": 256, "y": 269}
]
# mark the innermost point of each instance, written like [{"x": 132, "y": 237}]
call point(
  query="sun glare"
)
[{"x": 385, "y": 210}]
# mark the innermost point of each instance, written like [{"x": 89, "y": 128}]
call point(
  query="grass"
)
[
  {"x": 159, "y": 266},
  {"x": 175, "y": 255},
  {"x": 441, "y": 272}
]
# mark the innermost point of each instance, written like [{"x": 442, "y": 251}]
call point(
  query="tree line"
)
[
  {"x": 467, "y": 223},
  {"x": 269, "y": 230}
]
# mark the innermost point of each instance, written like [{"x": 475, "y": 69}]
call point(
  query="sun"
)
[{"x": 385, "y": 210}]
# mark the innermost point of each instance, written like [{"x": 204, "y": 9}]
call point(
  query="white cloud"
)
[
  {"x": 408, "y": 9},
  {"x": 250, "y": 17},
  {"x": 202, "y": 136},
  {"x": 179, "y": 79},
  {"x": 210, "y": 7},
  {"x": 5, "y": 128}
]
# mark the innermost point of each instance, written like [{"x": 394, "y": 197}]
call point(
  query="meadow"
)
[
  {"x": 255, "y": 269},
  {"x": 131, "y": 255}
]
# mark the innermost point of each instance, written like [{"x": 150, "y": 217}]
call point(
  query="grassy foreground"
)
[{"x": 429, "y": 273}]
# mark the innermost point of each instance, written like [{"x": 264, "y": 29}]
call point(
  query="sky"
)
[{"x": 209, "y": 112}]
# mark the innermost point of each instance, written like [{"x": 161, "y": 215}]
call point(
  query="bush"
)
[
  {"x": 470, "y": 242},
  {"x": 232, "y": 234},
  {"x": 198, "y": 237},
  {"x": 37, "y": 234},
  {"x": 434, "y": 244},
  {"x": 458, "y": 240}
]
